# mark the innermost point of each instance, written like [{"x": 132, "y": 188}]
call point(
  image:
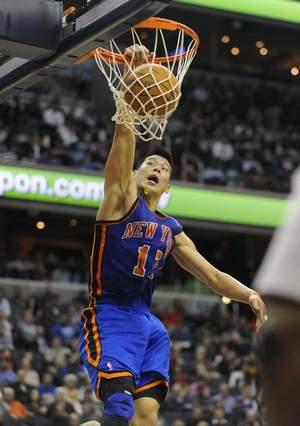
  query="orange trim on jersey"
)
[
  {"x": 100, "y": 260},
  {"x": 92, "y": 267},
  {"x": 91, "y": 337},
  {"x": 104, "y": 375},
  {"x": 151, "y": 385}
]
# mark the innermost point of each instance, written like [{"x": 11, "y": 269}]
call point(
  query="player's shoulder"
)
[{"x": 170, "y": 221}]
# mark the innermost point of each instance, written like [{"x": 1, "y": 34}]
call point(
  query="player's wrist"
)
[{"x": 250, "y": 296}]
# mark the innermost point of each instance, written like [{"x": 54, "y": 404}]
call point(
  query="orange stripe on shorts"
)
[
  {"x": 91, "y": 337},
  {"x": 151, "y": 385}
]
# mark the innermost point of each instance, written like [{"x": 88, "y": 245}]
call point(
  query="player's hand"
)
[
  {"x": 259, "y": 308},
  {"x": 137, "y": 55}
]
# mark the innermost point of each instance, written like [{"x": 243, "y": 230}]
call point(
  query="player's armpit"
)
[{"x": 117, "y": 202}]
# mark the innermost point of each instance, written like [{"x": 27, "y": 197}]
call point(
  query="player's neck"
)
[{"x": 151, "y": 200}]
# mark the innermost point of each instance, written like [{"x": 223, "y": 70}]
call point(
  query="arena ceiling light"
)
[{"x": 279, "y": 10}]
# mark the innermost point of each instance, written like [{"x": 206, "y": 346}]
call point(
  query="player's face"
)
[{"x": 153, "y": 176}]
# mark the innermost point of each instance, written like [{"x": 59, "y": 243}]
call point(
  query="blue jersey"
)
[{"x": 128, "y": 255}]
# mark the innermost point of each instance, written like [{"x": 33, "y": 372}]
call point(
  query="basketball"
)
[{"x": 152, "y": 90}]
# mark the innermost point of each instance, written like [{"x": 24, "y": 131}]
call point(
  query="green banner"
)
[
  {"x": 281, "y": 10},
  {"x": 185, "y": 202}
]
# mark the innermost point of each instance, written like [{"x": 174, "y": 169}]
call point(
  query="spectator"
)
[
  {"x": 71, "y": 393},
  {"x": 14, "y": 407},
  {"x": 219, "y": 417},
  {"x": 7, "y": 374},
  {"x": 223, "y": 396},
  {"x": 6, "y": 338},
  {"x": 47, "y": 388},
  {"x": 27, "y": 330},
  {"x": 31, "y": 376},
  {"x": 21, "y": 387},
  {"x": 57, "y": 353},
  {"x": 5, "y": 307}
]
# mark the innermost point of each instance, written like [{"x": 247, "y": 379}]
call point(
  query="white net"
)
[{"x": 147, "y": 95}]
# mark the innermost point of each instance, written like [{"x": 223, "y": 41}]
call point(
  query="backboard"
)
[{"x": 100, "y": 21}]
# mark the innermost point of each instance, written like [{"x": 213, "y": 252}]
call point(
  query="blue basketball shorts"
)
[{"x": 118, "y": 341}]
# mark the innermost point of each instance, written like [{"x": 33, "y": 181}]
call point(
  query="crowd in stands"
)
[
  {"x": 46, "y": 264},
  {"x": 230, "y": 132},
  {"x": 43, "y": 383},
  {"x": 58, "y": 263}
]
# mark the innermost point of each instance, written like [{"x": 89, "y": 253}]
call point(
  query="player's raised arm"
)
[
  {"x": 119, "y": 186},
  {"x": 188, "y": 257}
]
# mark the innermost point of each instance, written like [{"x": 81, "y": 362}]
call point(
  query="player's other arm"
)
[
  {"x": 188, "y": 257},
  {"x": 119, "y": 186}
]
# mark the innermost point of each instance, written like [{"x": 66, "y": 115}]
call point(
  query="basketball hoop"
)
[{"x": 144, "y": 121}]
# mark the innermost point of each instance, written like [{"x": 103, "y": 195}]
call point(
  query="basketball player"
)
[
  {"x": 279, "y": 280},
  {"x": 124, "y": 347}
]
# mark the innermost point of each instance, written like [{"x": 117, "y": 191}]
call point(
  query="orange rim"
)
[
  {"x": 153, "y": 23},
  {"x": 69, "y": 11}
]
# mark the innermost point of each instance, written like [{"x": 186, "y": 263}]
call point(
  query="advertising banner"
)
[
  {"x": 183, "y": 201},
  {"x": 281, "y": 10}
]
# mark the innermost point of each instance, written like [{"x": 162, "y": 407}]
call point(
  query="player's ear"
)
[{"x": 168, "y": 189}]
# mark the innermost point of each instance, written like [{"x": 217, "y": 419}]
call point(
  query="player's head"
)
[{"x": 154, "y": 172}]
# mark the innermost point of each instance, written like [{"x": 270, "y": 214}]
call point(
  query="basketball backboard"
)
[{"x": 102, "y": 21}]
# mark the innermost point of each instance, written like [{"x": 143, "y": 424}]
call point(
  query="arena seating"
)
[
  {"x": 42, "y": 382},
  {"x": 226, "y": 131}
]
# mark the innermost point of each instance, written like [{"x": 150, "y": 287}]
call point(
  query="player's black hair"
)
[{"x": 162, "y": 152}]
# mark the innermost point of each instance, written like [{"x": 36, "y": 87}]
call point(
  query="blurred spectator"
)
[
  {"x": 5, "y": 308},
  {"x": 70, "y": 392},
  {"x": 22, "y": 388},
  {"x": 31, "y": 376},
  {"x": 47, "y": 388},
  {"x": 57, "y": 353},
  {"x": 14, "y": 407},
  {"x": 219, "y": 417},
  {"x": 224, "y": 397},
  {"x": 7, "y": 373},
  {"x": 58, "y": 414},
  {"x": 27, "y": 330},
  {"x": 6, "y": 338}
]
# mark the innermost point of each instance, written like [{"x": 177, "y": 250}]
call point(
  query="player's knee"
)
[
  {"x": 120, "y": 405},
  {"x": 143, "y": 418}
]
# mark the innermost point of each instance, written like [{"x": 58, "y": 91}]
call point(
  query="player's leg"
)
[
  {"x": 147, "y": 405},
  {"x": 112, "y": 358},
  {"x": 152, "y": 386},
  {"x": 280, "y": 354},
  {"x": 117, "y": 396},
  {"x": 146, "y": 410}
]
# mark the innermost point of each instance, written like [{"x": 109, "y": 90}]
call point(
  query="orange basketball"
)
[{"x": 152, "y": 90}]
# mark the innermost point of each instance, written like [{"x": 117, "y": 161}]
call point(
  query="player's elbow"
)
[{"x": 213, "y": 280}]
